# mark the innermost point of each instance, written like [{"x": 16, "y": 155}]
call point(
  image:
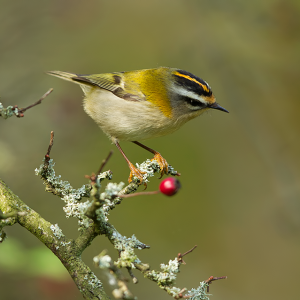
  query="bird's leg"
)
[
  {"x": 133, "y": 170},
  {"x": 157, "y": 156}
]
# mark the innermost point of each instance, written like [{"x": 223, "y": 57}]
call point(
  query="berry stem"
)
[{"x": 139, "y": 194}]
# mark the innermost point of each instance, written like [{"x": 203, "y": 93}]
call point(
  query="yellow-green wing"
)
[
  {"x": 109, "y": 82},
  {"x": 112, "y": 82}
]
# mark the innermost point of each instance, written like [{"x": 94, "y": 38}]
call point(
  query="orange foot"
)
[
  {"x": 164, "y": 166},
  {"x": 137, "y": 173}
]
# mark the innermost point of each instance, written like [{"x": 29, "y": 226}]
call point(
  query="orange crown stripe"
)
[{"x": 193, "y": 79}]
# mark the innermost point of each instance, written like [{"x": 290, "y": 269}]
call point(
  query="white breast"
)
[{"x": 126, "y": 120}]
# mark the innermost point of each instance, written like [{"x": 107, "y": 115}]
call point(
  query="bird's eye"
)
[
  {"x": 193, "y": 102},
  {"x": 190, "y": 101}
]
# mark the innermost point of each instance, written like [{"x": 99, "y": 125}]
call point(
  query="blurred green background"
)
[{"x": 240, "y": 171}]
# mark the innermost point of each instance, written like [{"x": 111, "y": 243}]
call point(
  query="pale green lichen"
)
[
  {"x": 70, "y": 196},
  {"x": 112, "y": 190},
  {"x": 103, "y": 261},
  {"x": 126, "y": 246},
  {"x": 94, "y": 281},
  {"x": 76, "y": 209},
  {"x": 57, "y": 231},
  {"x": 66, "y": 243},
  {"x": 61, "y": 187},
  {"x": 167, "y": 276},
  {"x": 108, "y": 196},
  {"x": 172, "y": 267},
  {"x": 8, "y": 112},
  {"x": 173, "y": 291},
  {"x": 149, "y": 167},
  {"x": 199, "y": 293},
  {"x": 121, "y": 242}
]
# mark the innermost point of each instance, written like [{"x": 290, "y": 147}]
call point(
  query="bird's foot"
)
[
  {"x": 164, "y": 166},
  {"x": 135, "y": 172}
]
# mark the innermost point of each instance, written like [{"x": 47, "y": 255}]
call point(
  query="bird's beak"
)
[{"x": 217, "y": 106}]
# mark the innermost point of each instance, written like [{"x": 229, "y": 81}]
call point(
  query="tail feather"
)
[
  {"x": 63, "y": 75},
  {"x": 85, "y": 86}
]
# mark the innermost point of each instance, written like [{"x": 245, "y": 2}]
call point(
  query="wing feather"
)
[{"x": 111, "y": 82}]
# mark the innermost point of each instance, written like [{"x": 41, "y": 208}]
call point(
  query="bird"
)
[{"x": 143, "y": 104}]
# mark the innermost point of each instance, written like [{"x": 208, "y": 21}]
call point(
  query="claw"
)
[
  {"x": 164, "y": 166},
  {"x": 136, "y": 173},
  {"x": 133, "y": 170}
]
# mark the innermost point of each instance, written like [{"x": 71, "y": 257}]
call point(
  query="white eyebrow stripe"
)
[{"x": 186, "y": 93}]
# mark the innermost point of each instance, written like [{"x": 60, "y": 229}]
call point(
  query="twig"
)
[
  {"x": 47, "y": 156},
  {"x": 138, "y": 194},
  {"x": 134, "y": 279},
  {"x": 93, "y": 177},
  {"x": 104, "y": 162},
  {"x": 181, "y": 296},
  {"x": 53, "y": 183},
  {"x": 21, "y": 111},
  {"x": 211, "y": 279},
  {"x": 180, "y": 256}
]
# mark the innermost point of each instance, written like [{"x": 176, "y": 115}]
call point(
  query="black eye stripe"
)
[{"x": 193, "y": 102}]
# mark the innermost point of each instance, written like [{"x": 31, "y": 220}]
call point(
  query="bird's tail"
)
[{"x": 64, "y": 75}]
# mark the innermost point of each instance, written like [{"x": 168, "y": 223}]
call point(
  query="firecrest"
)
[{"x": 143, "y": 104}]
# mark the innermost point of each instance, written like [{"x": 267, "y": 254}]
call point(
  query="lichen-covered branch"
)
[
  {"x": 93, "y": 220},
  {"x": 91, "y": 205},
  {"x": 9, "y": 111},
  {"x": 67, "y": 250}
]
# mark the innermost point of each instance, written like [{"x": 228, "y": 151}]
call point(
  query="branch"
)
[
  {"x": 10, "y": 111},
  {"x": 93, "y": 221},
  {"x": 92, "y": 218},
  {"x": 65, "y": 249}
]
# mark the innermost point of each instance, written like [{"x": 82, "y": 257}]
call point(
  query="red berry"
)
[{"x": 170, "y": 186}]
